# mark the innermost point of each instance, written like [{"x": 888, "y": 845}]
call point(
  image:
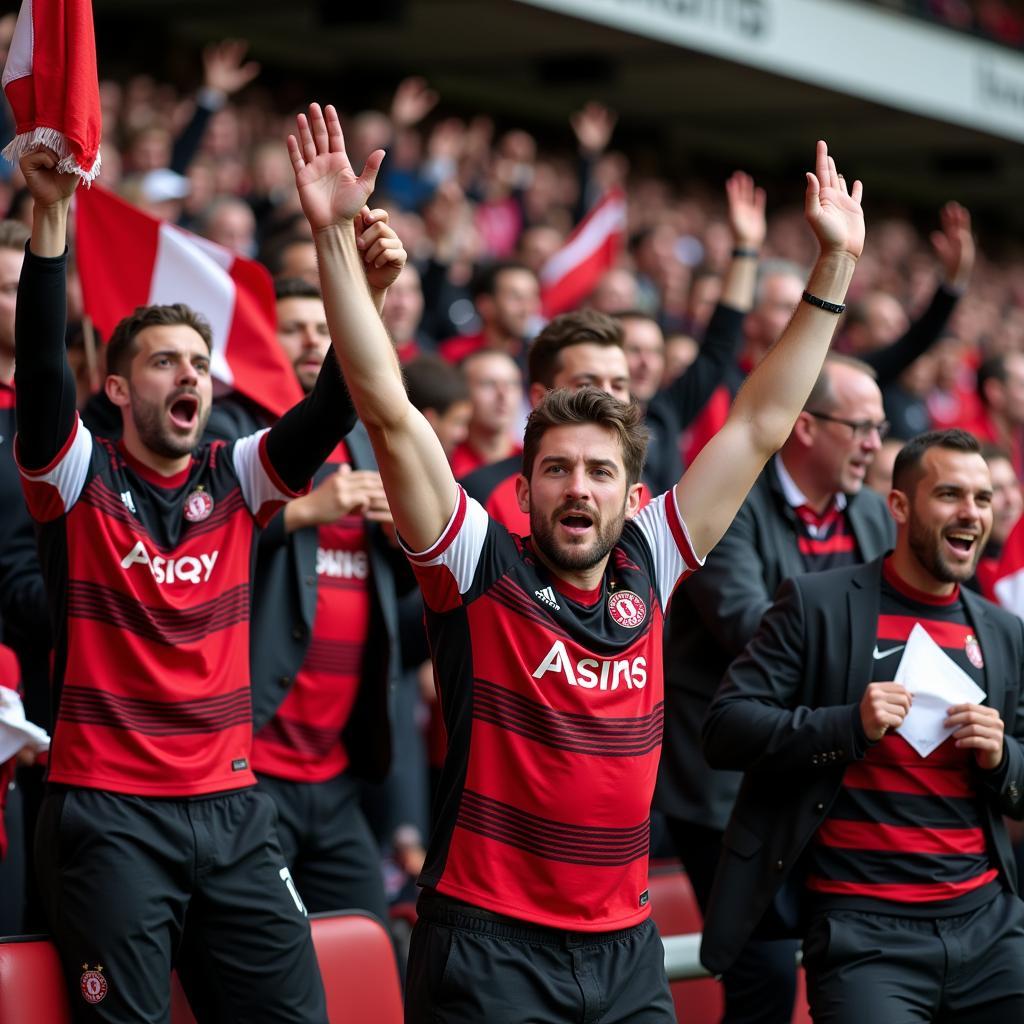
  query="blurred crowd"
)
[
  {"x": 999, "y": 20},
  {"x": 482, "y": 211}
]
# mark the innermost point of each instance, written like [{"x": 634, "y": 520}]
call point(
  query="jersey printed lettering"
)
[{"x": 569, "y": 691}]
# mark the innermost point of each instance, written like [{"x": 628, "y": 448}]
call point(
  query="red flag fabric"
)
[
  {"x": 1009, "y": 576},
  {"x": 52, "y": 86},
  {"x": 593, "y": 247},
  {"x": 127, "y": 258}
]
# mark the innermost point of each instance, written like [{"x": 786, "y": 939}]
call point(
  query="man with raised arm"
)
[
  {"x": 547, "y": 649},
  {"x": 152, "y": 831}
]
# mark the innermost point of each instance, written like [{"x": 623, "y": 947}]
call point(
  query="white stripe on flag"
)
[
  {"x": 186, "y": 272},
  {"x": 1010, "y": 592},
  {"x": 19, "y": 58},
  {"x": 604, "y": 222}
]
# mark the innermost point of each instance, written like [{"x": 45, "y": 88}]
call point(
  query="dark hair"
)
[
  {"x": 122, "y": 348},
  {"x": 582, "y": 327},
  {"x": 822, "y": 397},
  {"x": 993, "y": 368},
  {"x": 485, "y": 280},
  {"x": 994, "y": 452},
  {"x": 565, "y": 407},
  {"x": 274, "y": 251},
  {"x": 906, "y": 470},
  {"x": 434, "y": 384},
  {"x": 295, "y": 288}
]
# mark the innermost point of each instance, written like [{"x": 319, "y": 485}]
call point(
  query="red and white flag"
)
[
  {"x": 51, "y": 83},
  {"x": 127, "y": 258},
  {"x": 1009, "y": 577},
  {"x": 593, "y": 247}
]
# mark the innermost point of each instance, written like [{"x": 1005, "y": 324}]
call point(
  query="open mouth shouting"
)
[
  {"x": 183, "y": 411},
  {"x": 575, "y": 521},
  {"x": 961, "y": 544}
]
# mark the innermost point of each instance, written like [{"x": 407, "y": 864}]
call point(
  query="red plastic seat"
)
[
  {"x": 31, "y": 984},
  {"x": 675, "y": 912}
]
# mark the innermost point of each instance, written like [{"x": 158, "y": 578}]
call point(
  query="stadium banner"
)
[
  {"x": 872, "y": 53},
  {"x": 127, "y": 258}
]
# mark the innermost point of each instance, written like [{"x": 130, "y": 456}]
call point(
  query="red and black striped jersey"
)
[
  {"x": 303, "y": 741},
  {"x": 553, "y": 702},
  {"x": 907, "y": 830},
  {"x": 149, "y": 583}
]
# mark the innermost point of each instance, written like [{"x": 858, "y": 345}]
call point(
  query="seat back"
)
[
  {"x": 675, "y": 912},
  {"x": 31, "y": 982},
  {"x": 357, "y": 962}
]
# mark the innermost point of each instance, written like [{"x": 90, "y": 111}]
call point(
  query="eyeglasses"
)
[{"x": 862, "y": 429}]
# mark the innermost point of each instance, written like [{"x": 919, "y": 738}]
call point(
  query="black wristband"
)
[
  {"x": 749, "y": 254},
  {"x": 829, "y": 307}
]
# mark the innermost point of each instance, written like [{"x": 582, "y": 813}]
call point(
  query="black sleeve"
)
[
  {"x": 187, "y": 144},
  {"x": 690, "y": 391},
  {"x": 45, "y": 389},
  {"x": 23, "y": 609},
  {"x": 300, "y": 441},
  {"x": 889, "y": 362}
]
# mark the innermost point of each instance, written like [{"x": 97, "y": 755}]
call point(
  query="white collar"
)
[{"x": 794, "y": 496}]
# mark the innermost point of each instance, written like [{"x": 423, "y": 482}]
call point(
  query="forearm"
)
[
  {"x": 45, "y": 385},
  {"x": 775, "y": 392},
  {"x": 739, "y": 282},
  {"x": 360, "y": 340}
]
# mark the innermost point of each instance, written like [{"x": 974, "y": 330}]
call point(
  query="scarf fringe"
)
[{"x": 54, "y": 140}]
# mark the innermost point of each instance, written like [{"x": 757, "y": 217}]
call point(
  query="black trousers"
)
[
  {"x": 760, "y": 988},
  {"x": 328, "y": 845},
  {"x": 882, "y": 969},
  {"x": 126, "y": 878},
  {"x": 467, "y": 966}
]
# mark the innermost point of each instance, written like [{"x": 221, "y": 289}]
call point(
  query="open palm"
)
[
  {"x": 329, "y": 189},
  {"x": 832, "y": 210}
]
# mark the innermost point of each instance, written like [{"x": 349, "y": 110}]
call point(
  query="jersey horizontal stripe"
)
[
  {"x": 831, "y": 545},
  {"x": 552, "y": 840},
  {"x": 582, "y": 734},
  {"x": 866, "y": 835},
  {"x": 170, "y": 626},
  {"x": 922, "y": 779},
  {"x": 333, "y": 657},
  {"x": 945, "y": 634},
  {"x": 304, "y": 738},
  {"x": 922, "y": 892},
  {"x": 155, "y": 718}
]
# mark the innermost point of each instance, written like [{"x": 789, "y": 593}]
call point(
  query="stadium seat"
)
[
  {"x": 675, "y": 912},
  {"x": 360, "y": 975},
  {"x": 31, "y": 984}
]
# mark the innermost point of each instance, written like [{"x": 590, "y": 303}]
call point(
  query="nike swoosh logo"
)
[{"x": 878, "y": 655}]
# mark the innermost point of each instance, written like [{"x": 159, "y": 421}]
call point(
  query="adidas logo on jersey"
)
[
  {"x": 594, "y": 673},
  {"x": 186, "y": 569},
  {"x": 547, "y": 596}
]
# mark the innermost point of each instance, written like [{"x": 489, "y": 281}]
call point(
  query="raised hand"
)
[
  {"x": 832, "y": 210},
  {"x": 384, "y": 255},
  {"x": 223, "y": 69},
  {"x": 49, "y": 187},
  {"x": 412, "y": 101},
  {"x": 329, "y": 190},
  {"x": 593, "y": 127},
  {"x": 954, "y": 244},
  {"x": 746, "y": 211}
]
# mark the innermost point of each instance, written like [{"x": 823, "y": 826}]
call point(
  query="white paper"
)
[
  {"x": 15, "y": 730},
  {"x": 936, "y": 683}
]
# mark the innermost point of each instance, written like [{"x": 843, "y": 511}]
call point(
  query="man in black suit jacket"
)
[
  {"x": 896, "y": 868},
  {"x": 714, "y": 613}
]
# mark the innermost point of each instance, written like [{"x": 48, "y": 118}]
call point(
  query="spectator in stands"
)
[
  {"x": 879, "y": 477},
  {"x": 808, "y": 511},
  {"x": 507, "y": 300},
  {"x": 403, "y": 315},
  {"x": 1001, "y": 392},
  {"x": 1007, "y": 506},
  {"x": 439, "y": 391},
  {"x": 905, "y": 895},
  {"x": 495, "y": 385},
  {"x": 493, "y": 816},
  {"x": 230, "y": 222}
]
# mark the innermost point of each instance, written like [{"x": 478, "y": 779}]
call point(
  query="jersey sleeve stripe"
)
[
  {"x": 680, "y": 533},
  {"x": 448, "y": 534},
  {"x": 263, "y": 489},
  {"x": 50, "y": 491},
  {"x": 273, "y": 475}
]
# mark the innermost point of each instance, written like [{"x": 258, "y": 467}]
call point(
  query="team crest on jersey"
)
[
  {"x": 93, "y": 984},
  {"x": 627, "y": 609},
  {"x": 198, "y": 506},
  {"x": 973, "y": 650}
]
